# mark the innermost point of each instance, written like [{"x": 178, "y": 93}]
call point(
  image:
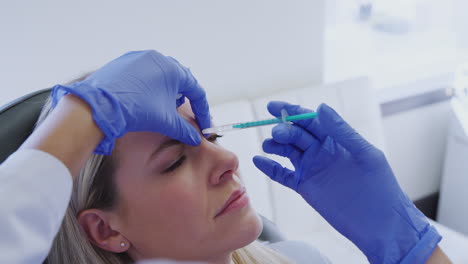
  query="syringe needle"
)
[{"x": 237, "y": 126}]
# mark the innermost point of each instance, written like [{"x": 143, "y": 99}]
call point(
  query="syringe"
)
[{"x": 237, "y": 126}]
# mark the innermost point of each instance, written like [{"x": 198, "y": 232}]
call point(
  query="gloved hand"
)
[
  {"x": 349, "y": 182},
  {"x": 140, "y": 91}
]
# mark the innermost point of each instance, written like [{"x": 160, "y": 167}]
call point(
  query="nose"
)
[{"x": 222, "y": 163}]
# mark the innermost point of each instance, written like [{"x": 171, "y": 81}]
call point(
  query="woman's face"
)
[{"x": 170, "y": 196}]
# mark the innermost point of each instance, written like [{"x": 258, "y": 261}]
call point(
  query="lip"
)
[{"x": 238, "y": 199}]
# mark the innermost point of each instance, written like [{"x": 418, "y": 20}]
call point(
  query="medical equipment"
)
[{"x": 237, "y": 126}]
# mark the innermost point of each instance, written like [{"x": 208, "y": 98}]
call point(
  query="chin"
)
[
  {"x": 248, "y": 229},
  {"x": 237, "y": 232}
]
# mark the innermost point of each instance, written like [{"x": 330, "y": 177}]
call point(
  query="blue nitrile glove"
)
[
  {"x": 140, "y": 91},
  {"x": 349, "y": 182}
]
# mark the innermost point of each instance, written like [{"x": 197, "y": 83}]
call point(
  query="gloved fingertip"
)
[
  {"x": 323, "y": 108},
  {"x": 327, "y": 112},
  {"x": 260, "y": 162},
  {"x": 274, "y": 107},
  {"x": 256, "y": 158},
  {"x": 195, "y": 136},
  {"x": 203, "y": 127},
  {"x": 274, "y": 104},
  {"x": 281, "y": 133},
  {"x": 201, "y": 110},
  {"x": 196, "y": 139},
  {"x": 204, "y": 123},
  {"x": 185, "y": 132},
  {"x": 330, "y": 119},
  {"x": 266, "y": 145}
]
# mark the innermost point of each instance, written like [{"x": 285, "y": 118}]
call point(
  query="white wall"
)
[
  {"x": 415, "y": 143},
  {"x": 234, "y": 48}
]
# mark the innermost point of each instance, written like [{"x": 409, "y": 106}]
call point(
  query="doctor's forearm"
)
[
  {"x": 68, "y": 133},
  {"x": 438, "y": 257}
]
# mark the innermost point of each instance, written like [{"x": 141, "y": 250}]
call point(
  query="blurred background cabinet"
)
[{"x": 453, "y": 201}]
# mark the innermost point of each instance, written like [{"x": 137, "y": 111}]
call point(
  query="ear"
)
[{"x": 96, "y": 225}]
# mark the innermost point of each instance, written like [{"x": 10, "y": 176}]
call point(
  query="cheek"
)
[
  {"x": 182, "y": 200},
  {"x": 186, "y": 211},
  {"x": 164, "y": 214},
  {"x": 178, "y": 206}
]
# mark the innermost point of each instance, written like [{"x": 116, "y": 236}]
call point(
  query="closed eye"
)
[
  {"x": 213, "y": 137},
  {"x": 175, "y": 165},
  {"x": 181, "y": 160}
]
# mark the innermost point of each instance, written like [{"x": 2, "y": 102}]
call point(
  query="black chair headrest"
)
[{"x": 17, "y": 121}]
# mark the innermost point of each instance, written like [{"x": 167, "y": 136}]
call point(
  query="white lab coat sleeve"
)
[{"x": 35, "y": 188}]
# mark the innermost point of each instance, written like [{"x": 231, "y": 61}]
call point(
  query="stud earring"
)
[{"x": 122, "y": 244}]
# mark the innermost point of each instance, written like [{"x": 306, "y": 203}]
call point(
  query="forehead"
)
[{"x": 185, "y": 111}]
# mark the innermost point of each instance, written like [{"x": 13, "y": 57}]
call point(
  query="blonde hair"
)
[{"x": 94, "y": 188}]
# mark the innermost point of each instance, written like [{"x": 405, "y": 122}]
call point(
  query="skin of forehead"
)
[{"x": 185, "y": 111}]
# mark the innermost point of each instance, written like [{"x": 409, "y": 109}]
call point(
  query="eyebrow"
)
[{"x": 164, "y": 145}]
